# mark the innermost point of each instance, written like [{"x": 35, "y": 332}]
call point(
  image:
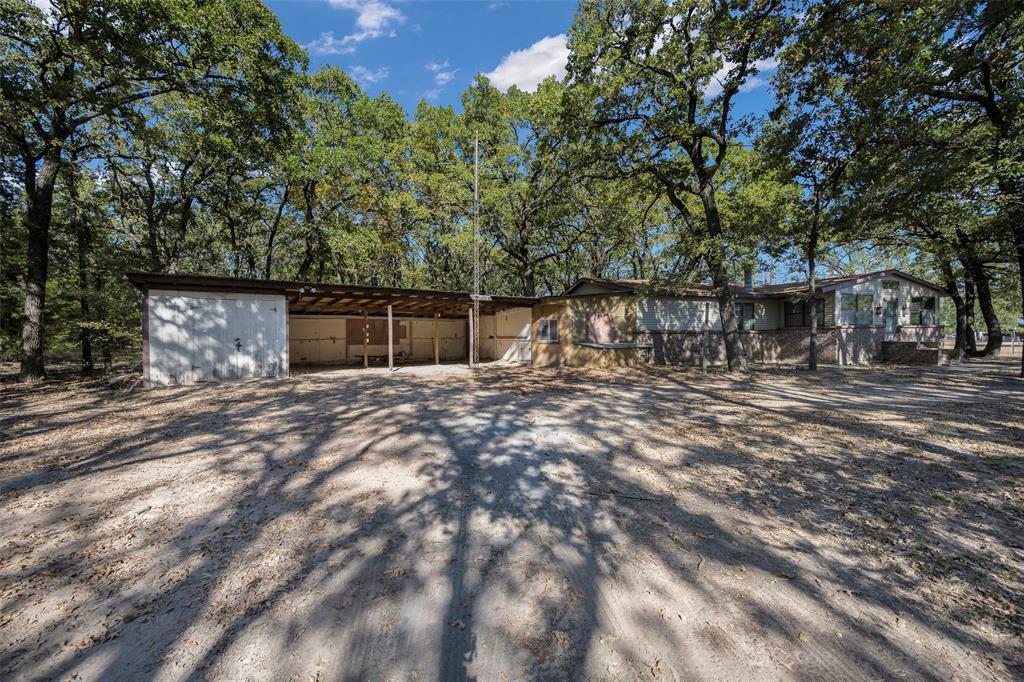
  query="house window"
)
[
  {"x": 857, "y": 309},
  {"x": 745, "y": 315},
  {"x": 890, "y": 284},
  {"x": 547, "y": 330},
  {"x": 798, "y": 313},
  {"x": 922, "y": 310}
]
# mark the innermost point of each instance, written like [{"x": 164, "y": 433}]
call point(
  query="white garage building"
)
[{"x": 197, "y": 328}]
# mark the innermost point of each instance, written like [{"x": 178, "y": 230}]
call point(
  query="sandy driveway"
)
[{"x": 517, "y": 524}]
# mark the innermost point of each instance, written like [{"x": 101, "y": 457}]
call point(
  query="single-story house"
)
[
  {"x": 200, "y": 328},
  {"x": 862, "y": 318}
]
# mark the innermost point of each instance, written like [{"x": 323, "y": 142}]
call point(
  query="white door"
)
[
  {"x": 273, "y": 322},
  {"x": 203, "y": 330}
]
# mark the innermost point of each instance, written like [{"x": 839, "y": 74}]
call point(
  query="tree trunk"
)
[
  {"x": 982, "y": 283},
  {"x": 38, "y": 214},
  {"x": 529, "y": 278},
  {"x": 970, "y": 331},
  {"x": 960, "y": 341},
  {"x": 735, "y": 354},
  {"x": 812, "y": 249},
  {"x": 269, "y": 261}
]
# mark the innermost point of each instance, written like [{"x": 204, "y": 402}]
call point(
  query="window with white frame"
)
[
  {"x": 745, "y": 315},
  {"x": 922, "y": 310},
  {"x": 547, "y": 330},
  {"x": 857, "y": 309}
]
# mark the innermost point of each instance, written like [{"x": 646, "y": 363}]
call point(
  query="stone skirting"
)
[
  {"x": 859, "y": 345},
  {"x": 782, "y": 346},
  {"x": 915, "y": 353},
  {"x": 836, "y": 345},
  {"x": 924, "y": 333}
]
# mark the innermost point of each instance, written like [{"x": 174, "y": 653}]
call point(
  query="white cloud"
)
[
  {"x": 365, "y": 76},
  {"x": 374, "y": 19},
  {"x": 328, "y": 44},
  {"x": 373, "y": 15},
  {"x": 433, "y": 93},
  {"x": 527, "y": 68},
  {"x": 714, "y": 86},
  {"x": 442, "y": 74}
]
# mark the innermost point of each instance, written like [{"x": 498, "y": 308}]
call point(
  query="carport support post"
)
[
  {"x": 470, "y": 344},
  {"x": 437, "y": 341},
  {"x": 366, "y": 340},
  {"x": 391, "y": 351}
]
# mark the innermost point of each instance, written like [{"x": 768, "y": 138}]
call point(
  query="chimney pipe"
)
[{"x": 748, "y": 278}]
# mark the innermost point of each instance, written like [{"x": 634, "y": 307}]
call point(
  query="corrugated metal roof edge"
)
[
  {"x": 173, "y": 282},
  {"x": 766, "y": 291}
]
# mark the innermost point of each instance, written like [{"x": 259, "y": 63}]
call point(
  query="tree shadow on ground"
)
[{"x": 526, "y": 523}]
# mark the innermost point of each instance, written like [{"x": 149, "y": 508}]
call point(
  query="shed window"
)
[
  {"x": 857, "y": 308},
  {"x": 890, "y": 284},
  {"x": 745, "y": 315},
  {"x": 798, "y": 313},
  {"x": 547, "y": 330},
  {"x": 922, "y": 310}
]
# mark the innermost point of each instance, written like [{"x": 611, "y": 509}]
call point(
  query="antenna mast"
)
[{"x": 476, "y": 249}]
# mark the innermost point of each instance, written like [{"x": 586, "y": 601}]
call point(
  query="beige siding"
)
[
  {"x": 766, "y": 315},
  {"x": 452, "y": 339},
  {"x": 488, "y": 337},
  {"x": 320, "y": 339},
  {"x": 572, "y": 314},
  {"x": 512, "y": 335},
  {"x": 670, "y": 314}
]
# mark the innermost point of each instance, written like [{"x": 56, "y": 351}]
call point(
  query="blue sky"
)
[{"x": 432, "y": 50}]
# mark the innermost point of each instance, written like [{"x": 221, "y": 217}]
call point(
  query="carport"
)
[{"x": 201, "y": 328}]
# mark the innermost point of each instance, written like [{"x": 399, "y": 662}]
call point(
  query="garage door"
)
[{"x": 204, "y": 337}]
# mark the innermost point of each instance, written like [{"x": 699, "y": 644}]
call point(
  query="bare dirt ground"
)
[{"x": 517, "y": 524}]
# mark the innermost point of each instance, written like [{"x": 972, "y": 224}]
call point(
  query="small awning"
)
[{"x": 319, "y": 298}]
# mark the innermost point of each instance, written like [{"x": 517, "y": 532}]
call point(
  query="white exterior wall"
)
[
  {"x": 208, "y": 336},
  {"x": 903, "y": 294},
  {"x": 668, "y": 314}
]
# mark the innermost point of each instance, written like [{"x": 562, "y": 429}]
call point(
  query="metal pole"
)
[
  {"x": 391, "y": 348},
  {"x": 475, "y": 327},
  {"x": 471, "y": 344}
]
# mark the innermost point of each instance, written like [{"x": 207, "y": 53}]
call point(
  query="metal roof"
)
[
  {"x": 321, "y": 298},
  {"x": 832, "y": 283},
  {"x": 630, "y": 286}
]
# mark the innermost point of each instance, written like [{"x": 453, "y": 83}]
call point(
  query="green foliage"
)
[{"x": 189, "y": 136}]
